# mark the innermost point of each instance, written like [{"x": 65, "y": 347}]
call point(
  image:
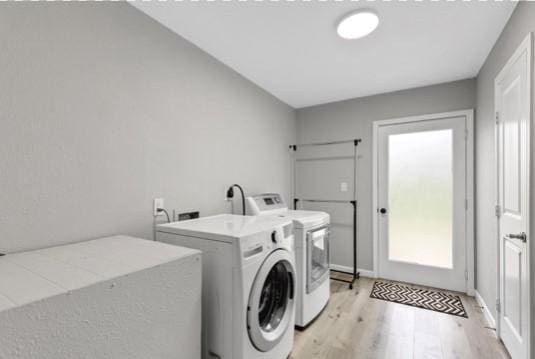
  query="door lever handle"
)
[{"x": 522, "y": 236}]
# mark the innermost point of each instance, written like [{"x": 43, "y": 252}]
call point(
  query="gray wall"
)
[
  {"x": 522, "y": 22},
  {"x": 353, "y": 119},
  {"x": 103, "y": 109}
]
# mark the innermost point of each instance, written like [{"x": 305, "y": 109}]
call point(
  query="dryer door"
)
[
  {"x": 271, "y": 301},
  {"x": 317, "y": 257}
]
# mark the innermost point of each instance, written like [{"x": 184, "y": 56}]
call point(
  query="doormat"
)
[{"x": 420, "y": 298}]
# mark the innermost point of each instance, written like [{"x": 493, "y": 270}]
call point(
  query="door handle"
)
[
  {"x": 522, "y": 236},
  {"x": 382, "y": 210}
]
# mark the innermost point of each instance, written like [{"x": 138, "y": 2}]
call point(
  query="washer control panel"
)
[{"x": 278, "y": 237}]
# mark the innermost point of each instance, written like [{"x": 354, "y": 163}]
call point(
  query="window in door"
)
[{"x": 420, "y": 196}]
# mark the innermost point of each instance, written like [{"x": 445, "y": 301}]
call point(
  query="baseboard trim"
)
[
  {"x": 363, "y": 272},
  {"x": 486, "y": 312}
]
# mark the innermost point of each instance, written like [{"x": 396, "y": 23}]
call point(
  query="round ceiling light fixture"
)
[{"x": 357, "y": 24}]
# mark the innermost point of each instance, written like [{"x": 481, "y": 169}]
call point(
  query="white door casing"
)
[
  {"x": 513, "y": 143},
  {"x": 458, "y": 273}
]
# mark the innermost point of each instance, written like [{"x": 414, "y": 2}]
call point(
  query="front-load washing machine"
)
[
  {"x": 248, "y": 267},
  {"x": 311, "y": 232}
]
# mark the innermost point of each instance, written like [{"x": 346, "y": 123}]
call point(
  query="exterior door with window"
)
[{"x": 421, "y": 198}]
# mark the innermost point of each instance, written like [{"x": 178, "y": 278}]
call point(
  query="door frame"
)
[
  {"x": 469, "y": 213},
  {"x": 525, "y": 46}
]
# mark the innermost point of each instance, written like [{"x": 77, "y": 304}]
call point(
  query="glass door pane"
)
[
  {"x": 274, "y": 298},
  {"x": 318, "y": 257},
  {"x": 420, "y": 198}
]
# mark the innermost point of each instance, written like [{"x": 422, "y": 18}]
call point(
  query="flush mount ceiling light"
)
[{"x": 357, "y": 24}]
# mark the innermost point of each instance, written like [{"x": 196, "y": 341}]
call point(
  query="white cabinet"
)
[{"x": 116, "y": 297}]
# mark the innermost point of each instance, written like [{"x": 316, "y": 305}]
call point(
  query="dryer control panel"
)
[{"x": 265, "y": 203}]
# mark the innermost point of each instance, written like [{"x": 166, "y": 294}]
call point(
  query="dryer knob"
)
[{"x": 274, "y": 236}]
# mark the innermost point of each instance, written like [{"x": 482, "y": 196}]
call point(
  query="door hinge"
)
[
  {"x": 497, "y": 117},
  {"x": 498, "y": 209},
  {"x": 466, "y": 274},
  {"x": 466, "y": 204},
  {"x": 498, "y": 305},
  {"x": 466, "y": 134}
]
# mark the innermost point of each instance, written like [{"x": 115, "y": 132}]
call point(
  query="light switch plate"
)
[{"x": 343, "y": 187}]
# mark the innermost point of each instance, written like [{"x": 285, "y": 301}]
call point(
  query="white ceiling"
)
[{"x": 291, "y": 49}]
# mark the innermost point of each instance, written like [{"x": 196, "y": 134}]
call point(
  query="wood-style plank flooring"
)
[{"x": 353, "y": 325}]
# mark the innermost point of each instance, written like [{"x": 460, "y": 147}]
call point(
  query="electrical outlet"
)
[{"x": 157, "y": 204}]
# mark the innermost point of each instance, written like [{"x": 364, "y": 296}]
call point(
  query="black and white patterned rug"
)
[{"x": 420, "y": 298}]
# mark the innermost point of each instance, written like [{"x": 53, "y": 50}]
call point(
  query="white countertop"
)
[{"x": 31, "y": 276}]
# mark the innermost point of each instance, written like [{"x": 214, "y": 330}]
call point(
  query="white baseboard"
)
[
  {"x": 486, "y": 312},
  {"x": 363, "y": 272}
]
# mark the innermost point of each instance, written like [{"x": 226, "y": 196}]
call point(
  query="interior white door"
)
[
  {"x": 421, "y": 201},
  {"x": 512, "y": 90}
]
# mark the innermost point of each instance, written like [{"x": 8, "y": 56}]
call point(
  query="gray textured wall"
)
[
  {"x": 353, "y": 119},
  {"x": 522, "y": 22},
  {"x": 103, "y": 109}
]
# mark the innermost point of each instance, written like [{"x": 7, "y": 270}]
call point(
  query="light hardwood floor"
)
[{"x": 353, "y": 325}]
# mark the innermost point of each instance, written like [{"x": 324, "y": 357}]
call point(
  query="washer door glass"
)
[
  {"x": 271, "y": 301},
  {"x": 274, "y": 297}
]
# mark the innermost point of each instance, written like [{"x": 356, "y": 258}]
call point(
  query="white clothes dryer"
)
[
  {"x": 248, "y": 283},
  {"x": 311, "y": 232}
]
